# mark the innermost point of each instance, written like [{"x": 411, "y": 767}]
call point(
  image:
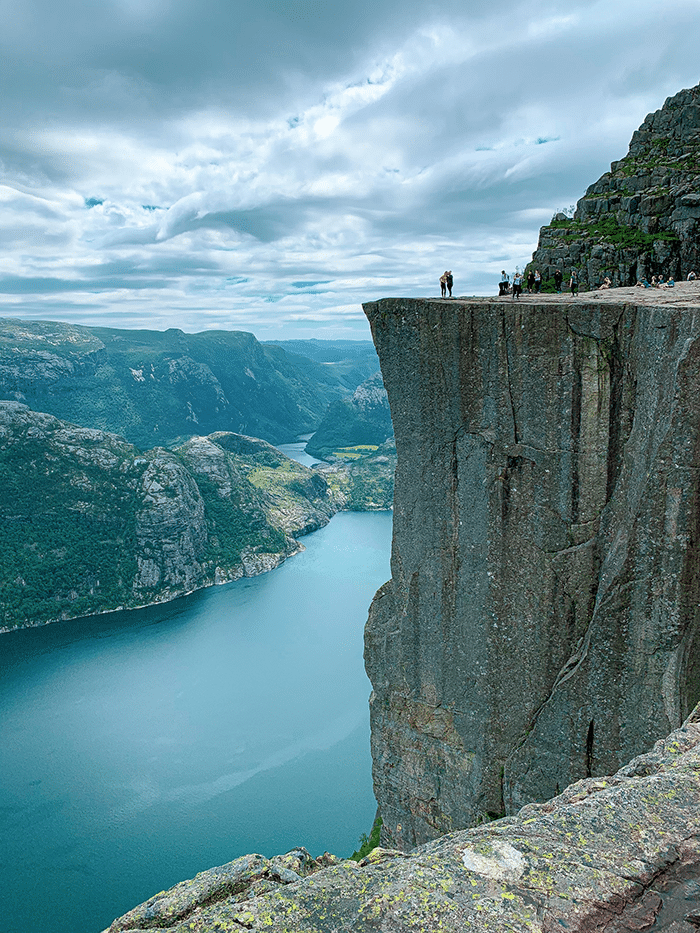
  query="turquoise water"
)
[
  {"x": 297, "y": 451},
  {"x": 138, "y": 748}
]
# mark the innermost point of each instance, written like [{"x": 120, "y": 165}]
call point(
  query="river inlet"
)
[{"x": 138, "y": 748}]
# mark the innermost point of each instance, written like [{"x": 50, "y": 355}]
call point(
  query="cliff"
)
[
  {"x": 642, "y": 217},
  {"x": 615, "y": 855},
  {"x": 541, "y": 623},
  {"x": 88, "y": 522}
]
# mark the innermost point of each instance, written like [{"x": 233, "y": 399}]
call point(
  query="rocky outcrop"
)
[
  {"x": 541, "y": 624},
  {"x": 613, "y": 855},
  {"x": 363, "y": 480},
  {"x": 90, "y": 523},
  {"x": 641, "y": 218},
  {"x": 363, "y": 419}
]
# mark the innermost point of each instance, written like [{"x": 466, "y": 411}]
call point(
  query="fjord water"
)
[{"x": 138, "y": 748}]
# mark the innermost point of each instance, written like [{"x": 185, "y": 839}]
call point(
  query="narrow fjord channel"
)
[{"x": 139, "y": 748}]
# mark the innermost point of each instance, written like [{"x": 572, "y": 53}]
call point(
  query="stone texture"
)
[
  {"x": 642, "y": 217},
  {"x": 611, "y": 855},
  {"x": 541, "y": 622}
]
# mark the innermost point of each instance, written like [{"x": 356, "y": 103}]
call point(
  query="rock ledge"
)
[{"x": 593, "y": 858}]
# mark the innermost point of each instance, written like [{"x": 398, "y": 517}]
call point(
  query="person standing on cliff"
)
[
  {"x": 449, "y": 283},
  {"x": 517, "y": 285},
  {"x": 573, "y": 282},
  {"x": 538, "y": 281},
  {"x": 530, "y": 281},
  {"x": 558, "y": 278},
  {"x": 443, "y": 284}
]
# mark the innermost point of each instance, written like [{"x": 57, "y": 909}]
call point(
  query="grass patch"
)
[
  {"x": 353, "y": 453},
  {"x": 608, "y": 229}
]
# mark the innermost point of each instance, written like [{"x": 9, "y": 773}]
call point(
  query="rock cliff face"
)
[
  {"x": 643, "y": 216},
  {"x": 541, "y": 624},
  {"x": 612, "y": 856}
]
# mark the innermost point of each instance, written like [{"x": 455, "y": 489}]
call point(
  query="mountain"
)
[
  {"x": 89, "y": 522},
  {"x": 350, "y": 361},
  {"x": 155, "y": 387},
  {"x": 362, "y": 419},
  {"x": 641, "y": 218}
]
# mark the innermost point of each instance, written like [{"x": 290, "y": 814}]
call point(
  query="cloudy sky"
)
[{"x": 268, "y": 165}]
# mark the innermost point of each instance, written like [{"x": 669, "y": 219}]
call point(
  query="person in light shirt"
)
[{"x": 517, "y": 285}]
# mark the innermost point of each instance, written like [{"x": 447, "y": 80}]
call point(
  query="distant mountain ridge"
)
[
  {"x": 127, "y": 469},
  {"x": 154, "y": 387}
]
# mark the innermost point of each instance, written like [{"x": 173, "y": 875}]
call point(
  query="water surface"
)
[
  {"x": 138, "y": 748},
  {"x": 297, "y": 451}
]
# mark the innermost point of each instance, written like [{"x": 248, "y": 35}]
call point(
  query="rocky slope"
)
[
  {"x": 362, "y": 419},
  {"x": 156, "y": 387},
  {"x": 614, "y": 856},
  {"x": 542, "y": 620},
  {"x": 88, "y": 522},
  {"x": 362, "y": 478},
  {"x": 642, "y": 217}
]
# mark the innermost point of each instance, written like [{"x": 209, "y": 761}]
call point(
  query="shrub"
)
[{"x": 367, "y": 843}]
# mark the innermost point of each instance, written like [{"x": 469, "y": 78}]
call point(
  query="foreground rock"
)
[
  {"x": 542, "y": 620},
  {"x": 643, "y": 216},
  {"x": 594, "y": 858}
]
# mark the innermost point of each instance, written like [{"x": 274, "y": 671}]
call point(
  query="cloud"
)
[{"x": 270, "y": 166}]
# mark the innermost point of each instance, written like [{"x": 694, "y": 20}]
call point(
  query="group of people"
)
[
  {"x": 446, "y": 283},
  {"x": 660, "y": 282},
  {"x": 533, "y": 282}
]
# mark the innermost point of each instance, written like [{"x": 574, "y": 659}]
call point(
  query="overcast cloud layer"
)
[{"x": 267, "y": 166}]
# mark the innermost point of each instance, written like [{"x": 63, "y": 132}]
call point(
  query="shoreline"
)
[{"x": 231, "y": 577}]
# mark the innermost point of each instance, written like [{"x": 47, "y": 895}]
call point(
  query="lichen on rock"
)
[{"x": 591, "y": 859}]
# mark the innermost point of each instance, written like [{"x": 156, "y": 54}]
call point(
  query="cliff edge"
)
[{"x": 541, "y": 623}]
